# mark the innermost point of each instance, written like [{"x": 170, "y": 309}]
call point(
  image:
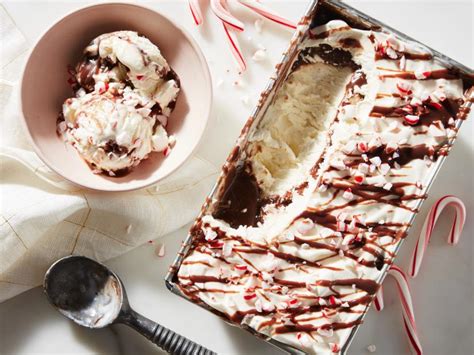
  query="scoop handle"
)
[{"x": 165, "y": 338}]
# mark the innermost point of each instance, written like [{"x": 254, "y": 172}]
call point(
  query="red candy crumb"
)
[
  {"x": 249, "y": 297},
  {"x": 412, "y": 119},
  {"x": 359, "y": 178},
  {"x": 404, "y": 89},
  {"x": 335, "y": 348},
  {"x": 362, "y": 147}
]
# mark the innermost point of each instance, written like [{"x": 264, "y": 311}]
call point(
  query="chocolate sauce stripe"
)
[
  {"x": 329, "y": 221},
  {"x": 292, "y": 259},
  {"x": 366, "y": 285},
  {"x": 435, "y": 74},
  {"x": 357, "y": 259},
  {"x": 340, "y": 310},
  {"x": 310, "y": 328},
  {"x": 194, "y": 262},
  {"x": 407, "y": 55},
  {"x": 372, "y": 199}
]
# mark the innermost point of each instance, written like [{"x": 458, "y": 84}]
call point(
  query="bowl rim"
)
[{"x": 117, "y": 187}]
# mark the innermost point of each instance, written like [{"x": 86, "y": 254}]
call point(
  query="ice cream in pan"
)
[
  {"x": 325, "y": 188},
  {"x": 124, "y": 93}
]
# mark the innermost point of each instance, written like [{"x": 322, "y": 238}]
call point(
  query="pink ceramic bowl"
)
[{"x": 44, "y": 88}]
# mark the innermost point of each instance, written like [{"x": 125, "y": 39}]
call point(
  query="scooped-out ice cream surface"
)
[{"x": 125, "y": 92}]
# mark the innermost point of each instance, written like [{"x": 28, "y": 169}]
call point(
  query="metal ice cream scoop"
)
[{"x": 91, "y": 295}]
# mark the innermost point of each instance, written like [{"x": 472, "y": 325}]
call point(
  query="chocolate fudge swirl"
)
[{"x": 306, "y": 223}]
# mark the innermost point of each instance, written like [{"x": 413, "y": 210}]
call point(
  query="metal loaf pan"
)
[{"x": 318, "y": 12}]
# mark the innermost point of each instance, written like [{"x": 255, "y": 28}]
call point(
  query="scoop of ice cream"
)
[
  {"x": 125, "y": 56},
  {"x": 111, "y": 134},
  {"x": 125, "y": 91}
]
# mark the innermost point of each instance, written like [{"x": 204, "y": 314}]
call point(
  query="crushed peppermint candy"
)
[
  {"x": 322, "y": 188},
  {"x": 245, "y": 99},
  {"x": 303, "y": 339},
  {"x": 259, "y": 55},
  {"x": 348, "y": 195},
  {"x": 241, "y": 267},
  {"x": 338, "y": 164},
  {"x": 209, "y": 234},
  {"x": 359, "y": 178},
  {"x": 341, "y": 226},
  {"x": 376, "y": 161},
  {"x": 304, "y": 226},
  {"x": 160, "y": 250},
  {"x": 363, "y": 168},
  {"x": 325, "y": 332},
  {"x": 384, "y": 168},
  {"x": 334, "y": 347},
  {"x": 268, "y": 307},
  {"x": 421, "y": 74},
  {"x": 371, "y": 348},
  {"x": 362, "y": 147},
  {"x": 249, "y": 296},
  {"x": 293, "y": 303},
  {"x": 412, "y": 119}
]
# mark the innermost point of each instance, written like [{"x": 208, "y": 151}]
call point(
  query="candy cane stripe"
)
[
  {"x": 219, "y": 9},
  {"x": 407, "y": 307},
  {"x": 195, "y": 11},
  {"x": 235, "y": 49},
  {"x": 378, "y": 300},
  {"x": 429, "y": 224},
  {"x": 267, "y": 13}
]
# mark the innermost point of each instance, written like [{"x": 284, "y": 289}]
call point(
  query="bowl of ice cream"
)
[{"x": 115, "y": 97}]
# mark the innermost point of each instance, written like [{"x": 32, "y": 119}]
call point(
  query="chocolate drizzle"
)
[
  {"x": 85, "y": 71},
  {"x": 350, "y": 43},
  {"x": 403, "y": 154},
  {"x": 447, "y": 74},
  {"x": 428, "y": 112},
  {"x": 113, "y": 147}
]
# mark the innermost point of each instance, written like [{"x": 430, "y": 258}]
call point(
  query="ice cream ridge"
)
[
  {"x": 124, "y": 93},
  {"x": 308, "y": 218}
]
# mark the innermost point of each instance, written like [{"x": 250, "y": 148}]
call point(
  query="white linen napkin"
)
[{"x": 43, "y": 217}]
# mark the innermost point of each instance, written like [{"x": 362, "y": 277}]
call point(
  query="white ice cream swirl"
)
[{"x": 125, "y": 92}]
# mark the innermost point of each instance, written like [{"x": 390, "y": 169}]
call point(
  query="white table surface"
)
[{"x": 443, "y": 291}]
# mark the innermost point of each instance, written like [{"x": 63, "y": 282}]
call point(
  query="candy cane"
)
[
  {"x": 378, "y": 300},
  {"x": 220, "y": 10},
  {"x": 196, "y": 11},
  {"x": 266, "y": 12},
  {"x": 407, "y": 307},
  {"x": 430, "y": 222},
  {"x": 234, "y": 47}
]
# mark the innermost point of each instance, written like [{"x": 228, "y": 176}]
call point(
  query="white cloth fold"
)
[{"x": 43, "y": 217}]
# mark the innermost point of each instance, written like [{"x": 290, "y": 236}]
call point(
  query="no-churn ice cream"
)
[
  {"x": 325, "y": 188},
  {"x": 125, "y": 92}
]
